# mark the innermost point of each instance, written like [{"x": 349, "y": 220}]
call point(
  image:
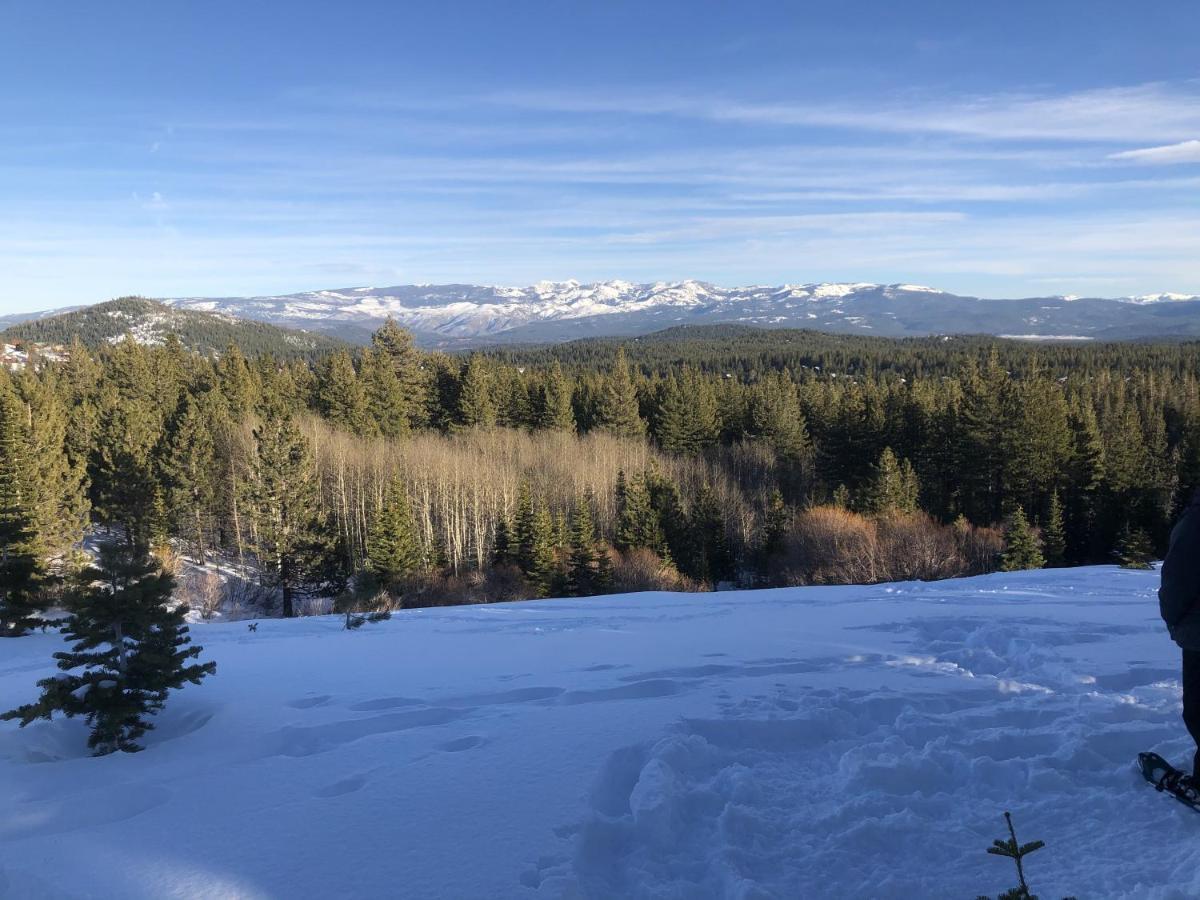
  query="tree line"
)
[{"x": 396, "y": 476}]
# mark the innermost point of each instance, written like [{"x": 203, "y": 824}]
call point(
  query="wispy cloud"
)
[
  {"x": 991, "y": 195},
  {"x": 1170, "y": 154},
  {"x": 1121, "y": 114}
]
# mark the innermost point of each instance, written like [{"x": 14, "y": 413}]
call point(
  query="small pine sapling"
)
[
  {"x": 130, "y": 645},
  {"x": 1015, "y": 851},
  {"x": 1134, "y": 549}
]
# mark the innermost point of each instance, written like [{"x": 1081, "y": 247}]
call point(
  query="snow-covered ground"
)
[{"x": 799, "y": 743}]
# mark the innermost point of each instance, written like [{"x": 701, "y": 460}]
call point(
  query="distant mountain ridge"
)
[
  {"x": 465, "y": 315},
  {"x": 149, "y": 322}
]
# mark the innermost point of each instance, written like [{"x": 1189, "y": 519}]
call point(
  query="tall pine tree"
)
[
  {"x": 476, "y": 397},
  {"x": 283, "y": 493},
  {"x": 555, "y": 412},
  {"x": 20, "y": 561},
  {"x": 535, "y": 552},
  {"x": 393, "y": 545},
  {"x": 617, "y": 406}
]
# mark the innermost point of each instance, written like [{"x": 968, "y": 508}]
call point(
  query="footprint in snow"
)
[
  {"x": 342, "y": 787},
  {"x": 309, "y": 702},
  {"x": 469, "y": 742},
  {"x": 384, "y": 703}
]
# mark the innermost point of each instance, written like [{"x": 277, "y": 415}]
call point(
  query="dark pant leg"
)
[{"x": 1191, "y": 702}]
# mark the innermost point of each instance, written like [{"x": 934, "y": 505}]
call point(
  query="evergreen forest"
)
[{"x": 388, "y": 476}]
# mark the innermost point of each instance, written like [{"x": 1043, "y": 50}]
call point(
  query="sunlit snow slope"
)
[{"x": 800, "y": 743}]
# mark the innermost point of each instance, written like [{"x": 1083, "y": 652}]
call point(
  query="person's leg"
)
[{"x": 1191, "y": 703}]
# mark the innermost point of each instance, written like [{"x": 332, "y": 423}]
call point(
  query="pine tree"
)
[
  {"x": 1054, "y": 540},
  {"x": 534, "y": 535},
  {"x": 776, "y": 526},
  {"x": 688, "y": 419},
  {"x": 555, "y": 412},
  {"x": 583, "y": 562},
  {"x": 841, "y": 497},
  {"x": 132, "y": 647},
  {"x": 983, "y": 429},
  {"x": 476, "y": 402},
  {"x": 1085, "y": 482},
  {"x": 283, "y": 495},
  {"x": 893, "y": 487},
  {"x": 637, "y": 522},
  {"x": 513, "y": 401},
  {"x": 1021, "y": 550},
  {"x": 395, "y": 344},
  {"x": 503, "y": 553},
  {"x": 58, "y": 480},
  {"x": 666, "y": 501},
  {"x": 775, "y": 416},
  {"x": 189, "y": 468},
  {"x": 617, "y": 408},
  {"x": 1134, "y": 548},
  {"x": 341, "y": 397},
  {"x": 1037, "y": 440},
  {"x": 713, "y": 559},
  {"x": 123, "y": 468},
  {"x": 387, "y": 403},
  {"x": 393, "y": 545},
  {"x": 20, "y": 562},
  {"x": 236, "y": 383}
]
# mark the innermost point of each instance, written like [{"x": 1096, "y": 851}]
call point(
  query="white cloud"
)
[
  {"x": 1119, "y": 115},
  {"x": 1170, "y": 154}
]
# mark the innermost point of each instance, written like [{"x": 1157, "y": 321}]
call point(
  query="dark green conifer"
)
[
  {"x": 236, "y": 382},
  {"x": 534, "y": 533},
  {"x": 893, "y": 487},
  {"x": 503, "y": 552},
  {"x": 396, "y": 345},
  {"x": 983, "y": 428},
  {"x": 283, "y": 494},
  {"x": 777, "y": 522},
  {"x": 583, "y": 562},
  {"x": 775, "y": 416},
  {"x": 688, "y": 419},
  {"x": 20, "y": 562},
  {"x": 132, "y": 647},
  {"x": 637, "y": 521},
  {"x": 1085, "y": 481},
  {"x": 1134, "y": 548},
  {"x": 555, "y": 412},
  {"x": 617, "y": 408},
  {"x": 1054, "y": 540},
  {"x": 1021, "y": 549},
  {"x": 476, "y": 400},
  {"x": 387, "y": 402},
  {"x": 393, "y": 545},
  {"x": 341, "y": 397},
  {"x": 712, "y": 559},
  {"x": 189, "y": 469}
]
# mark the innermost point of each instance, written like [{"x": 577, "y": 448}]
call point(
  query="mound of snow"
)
[{"x": 814, "y": 742}]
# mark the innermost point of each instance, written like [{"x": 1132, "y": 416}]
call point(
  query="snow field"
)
[{"x": 815, "y": 742}]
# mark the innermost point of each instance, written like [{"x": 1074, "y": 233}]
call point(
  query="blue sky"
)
[{"x": 220, "y": 148}]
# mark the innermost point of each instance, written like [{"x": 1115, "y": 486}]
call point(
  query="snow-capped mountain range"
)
[{"x": 464, "y": 314}]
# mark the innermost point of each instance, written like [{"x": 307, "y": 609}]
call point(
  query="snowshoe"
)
[{"x": 1165, "y": 777}]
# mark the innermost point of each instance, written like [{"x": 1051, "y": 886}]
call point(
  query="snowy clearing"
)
[{"x": 814, "y": 742}]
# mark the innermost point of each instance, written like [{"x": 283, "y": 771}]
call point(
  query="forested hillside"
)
[
  {"x": 151, "y": 322},
  {"x": 397, "y": 477}
]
